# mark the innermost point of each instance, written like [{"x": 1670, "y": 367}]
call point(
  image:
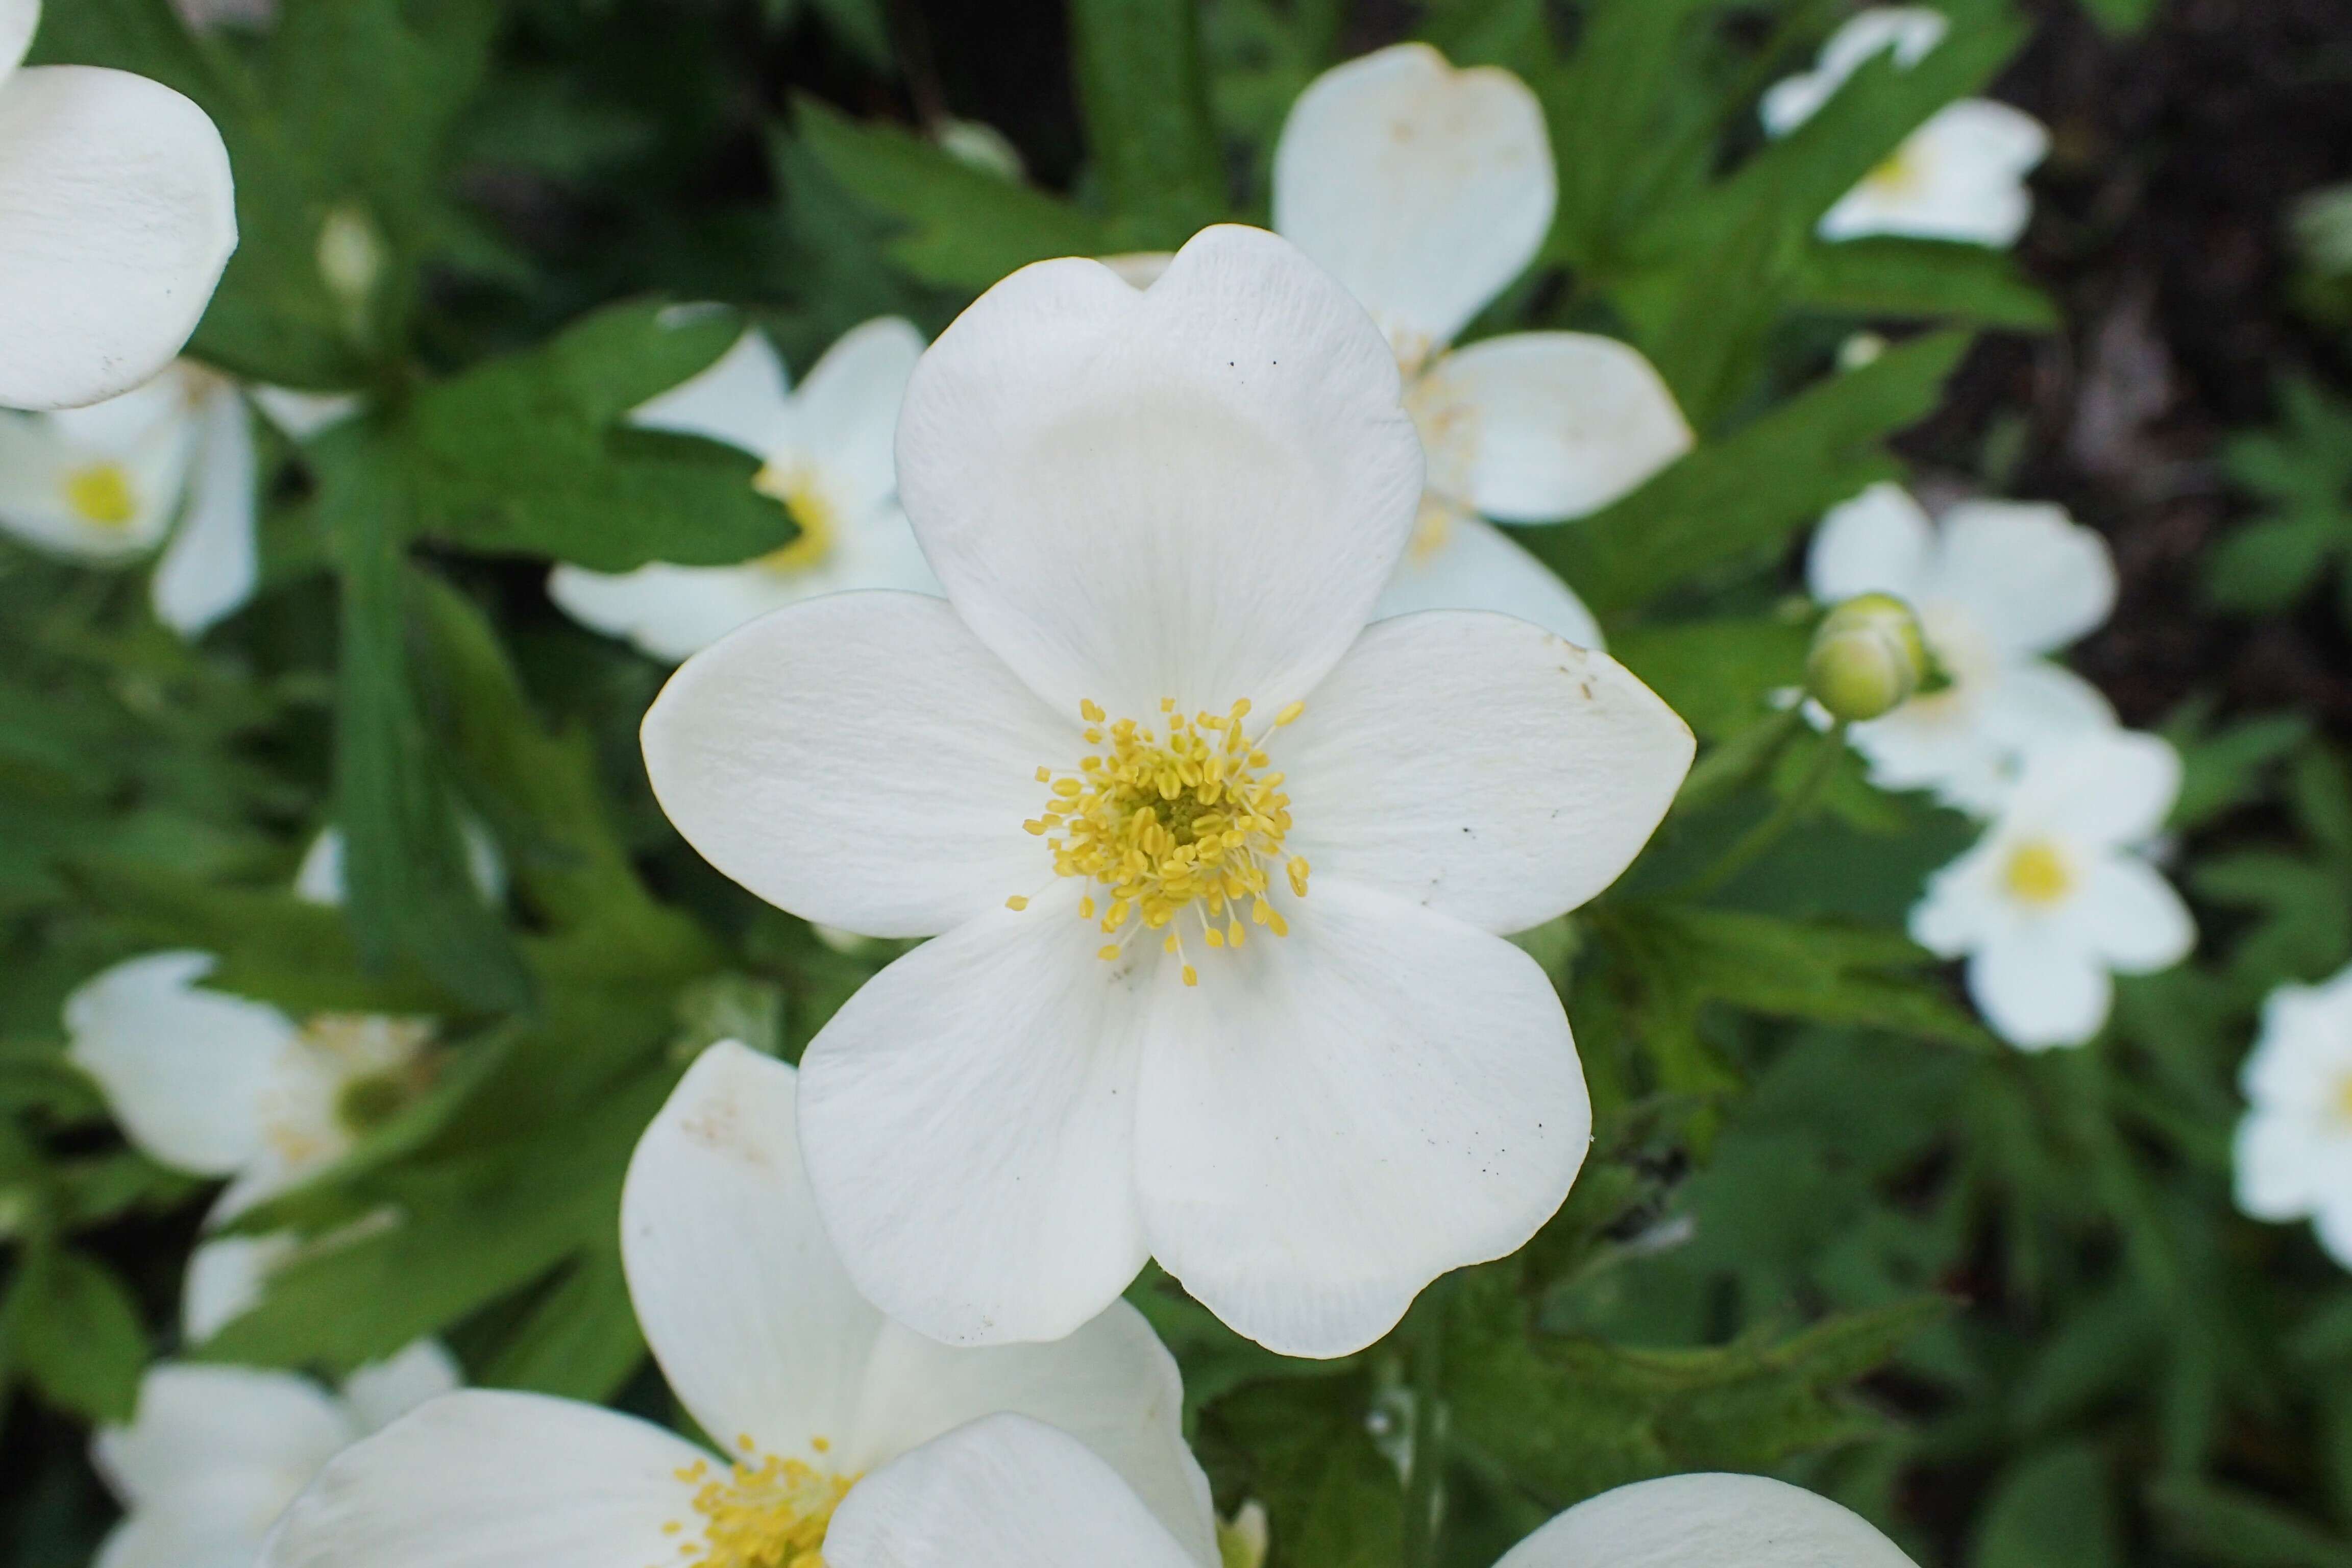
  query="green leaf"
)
[
  {"x": 76, "y": 1336},
  {"x": 860, "y": 25},
  {"x": 2224, "y": 768},
  {"x": 2268, "y": 564},
  {"x": 1300, "y": 1446},
  {"x": 1717, "y": 675},
  {"x": 2230, "y": 1525},
  {"x": 2053, "y": 1506},
  {"x": 1147, "y": 124},
  {"x": 580, "y": 1339},
  {"x": 1619, "y": 134},
  {"x": 1924, "y": 277}
]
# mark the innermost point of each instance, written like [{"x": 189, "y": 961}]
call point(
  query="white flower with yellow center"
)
[
  {"x": 1960, "y": 176},
  {"x": 116, "y": 215},
  {"x": 2059, "y": 893},
  {"x": 811, "y": 1392},
  {"x": 2295, "y": 1145},
  {"x": 213, "y": 1453},
  {"x": 1005, "y": 1492},
  {"x": 1106, "y": 773},
  {"x": 827, "y": 451},
  {"x": 1997, "y": 586}
]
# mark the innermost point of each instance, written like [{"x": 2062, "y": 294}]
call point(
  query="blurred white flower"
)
[
  {"x": 1163, "y": 518},
  {"x": 214, "y": 1454},
  {"x": 1960, "y": 176},
  {"x": 1005, "y": 1492},
  {"x": 116, "y": 215},
  {"x": 827, "y": 448},
  {"x": 2295, "y": 1145},
  {"x": 320, "y": 878},
  {"x": 1997, "y": 586},
  {"x": 2059, "y": 893},
  {"x": 811, "y": 1390}
]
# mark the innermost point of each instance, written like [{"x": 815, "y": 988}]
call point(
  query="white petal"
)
[
  {"x": 1480, "y": 766},
  {"x": 1551, "y": 425},
  {"x": 1138, "y": 269},
  {"x": 2039, "y": 993},
  {"x": 966, "y": 1120},
  {"x": 1474, "y": 566},
  {"x": 1005, "y": 1492},
  {"x": 302, "y": 415},
  {"x": 382, "y": 1392},
  {"x": 2033, "y": 703},
  {"x": 1910, "y": 31},
  {"x": 214, "y": 561},
  {"x": 1960, "y": 177},
  {"x": 1878, "y": 542},
  {"x": 2032, "y": 578},
  {"x": 757, "y": 1328},
  {"x": 226, "y": 1279},
  {"x": 861, "y": 760},
  {"x": 143, "y": 437},
  {"x": 2282, "y": 1162},
  {"x": 2131, "y": 917},
  {"x": 1423, "y": 189},
  {"x": 739, "y": 399},
  {"x": 479, "y": 1479},
  {"x": 1706, "y": 1522},
  {"x": 166, "y": 1538},
  {"x": 1961, "y": 909},
  {"x": 116, "y": 217},
  {"x": 1936, "y": 744},
  {"x": 846, "y": 415},
  {"x": 2103, "y": 787},
  {"x": 19, "y": 19},
  {"x": 1196, "y": 491},
  {"x": 1332, "y": 1119},
  {"x": 196, "y": 1425},
  {"x": 184, "y": 1068}
]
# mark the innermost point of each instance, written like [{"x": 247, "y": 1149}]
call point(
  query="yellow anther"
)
[
  {"x": 102, "y": 494},
  {"x": 2037, "y": 873},
  {"x": 1214, "y": 937},
  {"x": 1091, "y": 712},
  {"x": 1191, "y": 975},
  {"x": 796, "y": 485},
  {"x": 1290, "y": 710},
  {"x": 1108, "y": 950},
  {"x": 1017, "y": 903},
  {"x": 773, "y": 1514}
]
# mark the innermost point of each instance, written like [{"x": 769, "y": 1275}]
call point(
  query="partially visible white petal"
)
[
  {"x": 2131, "y": 917},
  {"x": 1005, "y": 1492},
  {"x": 318, "y": 879},
  {"x": 185, "y": 1069},
  {"x": 2033, "y": 703},
  {"x": 116, "y": 215},
  {"x": 167, "y": 1538},
  {"x": 2037, "y": 992},
  {"x": 1879, "y": 543},
  {"x": 1422, "y": 188},
  {"x": 1961, "y": 908},
  {"x": 1910, "y": 31},
  {"x": 2282, "y": 1164},
  {"x": 2331, "y": 1220},
  {"x": 739, "y": 399},
  {"x": 481, "y": 1480},
  {"x": 1479, "y": 765},
  {"x": 1196, "y": 491},
  {"x": 198, "y": 1425},
  {"x": 2104, "y": 787},
  {"x": 1960, "y": 177},
  {"x": 214, "y": 561},
  {"x": 1332, "y": 1119},
  {"x": 861, "y": 760},
  {"x": 382, "y": 1391},
  {"x": 846, "y": 415},
  {"x": 42, "y": 455},
  {"x": 2031, "y": 577},
  {"x": 1474, "y": 566},
  {"x": 226, "y": 1279},
  {"x": 19, "y": 19},
  {"x": 1717, "y": 1521},
  {"x": 966, "y": 1120},
  {"x": 302, "y": 415}
]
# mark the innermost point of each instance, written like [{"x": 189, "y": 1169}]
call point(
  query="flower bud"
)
[{"x": 1867, "y": 658}]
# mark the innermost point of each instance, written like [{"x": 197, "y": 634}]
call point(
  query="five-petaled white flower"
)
[
  {"x": 116, "y": 215},
  {"x": 2059, "y": 893},
  {"x": 826, "y": 451},
  {"x": 1997, "y": 586},
  {"x": 1005, "y": 1492},
  {"x": 213, "y": 1453},
  {"x": 1960, "y": 176},
  {"x": 2295, "y": 1145},
  {"x": 810, "y": 1390},
  {"x": 1103, "y": 769}
]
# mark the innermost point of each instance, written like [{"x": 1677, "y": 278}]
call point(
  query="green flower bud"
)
[{"x": 1868, "y": 657}]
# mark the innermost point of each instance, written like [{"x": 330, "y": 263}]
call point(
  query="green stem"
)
[
  {"x": 1424, "y": 1495},
  {"x": 1765, "y": 834}
]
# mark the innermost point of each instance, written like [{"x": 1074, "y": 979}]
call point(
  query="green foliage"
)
[{"x": 2304, "y": 472}]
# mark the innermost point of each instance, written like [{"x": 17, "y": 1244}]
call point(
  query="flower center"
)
[
  {"x": 771, "y": 1514},
  {"x": 2341, "y": 1104},
  {"x": 1190, "y": 823},
  {"x": 2037, "y": 873},
  {"x": 795, "y": 485},
  {"x": 1899, "y": 175},
  {"x": 101, "y": 496}
]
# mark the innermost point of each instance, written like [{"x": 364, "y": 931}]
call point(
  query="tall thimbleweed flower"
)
[
  {"x": 2059, "y": 893},
  {"x": 2295, "y": 1145},
  {"x": 810, "y": 1391},
  {"x": 1960, "y": 176},
  {"x": 1005, "y": 1492},
  {"x": 826, "y": 454},
  {"x": 1107, "y": 774},
  {"x": 1997, "y": 586},
  {"x": 117, "y": 215},
  {"x": 213, "y": 1453}
]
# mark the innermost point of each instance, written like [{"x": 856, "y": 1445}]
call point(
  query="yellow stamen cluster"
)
[
  {"x": 2037, "y": 873},
  {"x": 795, "y": 485},
  {"x": 771, "y": 1514},
  {"x": 102, "y": 494},
  {"x": 1193, "y": 821}
]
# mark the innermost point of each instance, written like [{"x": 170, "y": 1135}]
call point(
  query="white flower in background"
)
[
  {"x": 2059, "y": 893},
  {"x": 1006, "y": 1492},
  {"x": 1997, "y": 586},
  {"x": 2295, "y": 1145},
  {"x": 811, "y": 1393},
  {"x": 214, "y": 1454},
  {"x": 1103, "y": 768},
  {"x": 1960, "y": 176},
  {"x": 116, "y": 215},
  {"x": 827, "y": 448}
]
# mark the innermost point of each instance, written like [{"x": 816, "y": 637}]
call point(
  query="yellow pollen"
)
[
  {"x": 770, "y": 1514},
  {"x": 1898, "y": 175},
  {"x": 2037, "y": 873},
  {"x": 100, "y": 495},
  {"x": 2344, "y": 1099},
  {"x": 1017, "y": 903},
  {"x": 795, "y": 485},
  {"x": 1431, "y": 529}
]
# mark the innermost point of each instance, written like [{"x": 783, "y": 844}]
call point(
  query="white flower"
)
[
  {"x": 2059, "y": 892},
  {"x": 827, "y": 454},
  {"x": 116, "y": 215},
  {"x": 1006, "y": 1492},
  {"x": 2294, "y": 1146},
  {"x": 1960, "y": 176},
  {"x": 1996, "y": 587},
  {"x": 1162, "y": 519},
  {"x": 214, "y": 1454},
  {"x": 774, "y": 1354}
]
